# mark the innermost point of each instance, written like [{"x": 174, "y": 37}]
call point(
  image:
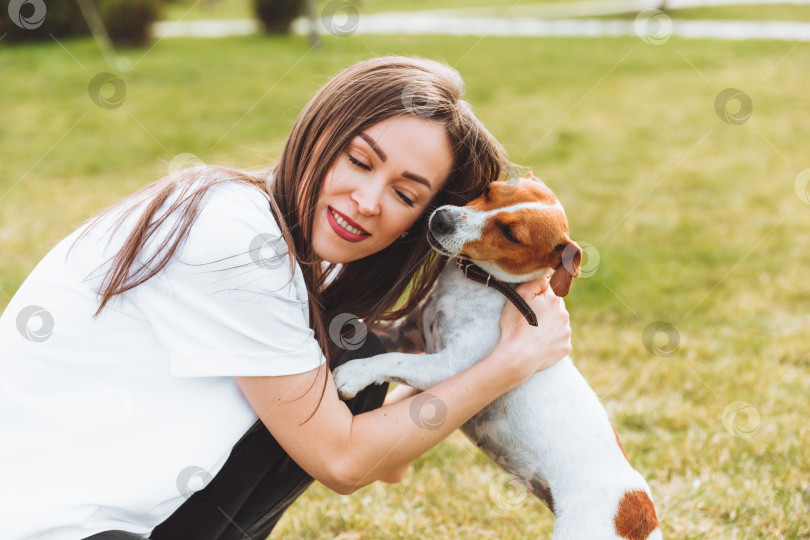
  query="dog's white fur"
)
[{"x": 551, "y": 432}]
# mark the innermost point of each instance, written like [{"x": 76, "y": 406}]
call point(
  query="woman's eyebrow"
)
[
  {"x": 417, "y": 178},
  {"x": 373, "y": 144},
  {"x": 379, "y": 151}
]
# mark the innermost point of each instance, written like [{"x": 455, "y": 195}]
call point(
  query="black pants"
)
[{"x": 258, "y": 482}]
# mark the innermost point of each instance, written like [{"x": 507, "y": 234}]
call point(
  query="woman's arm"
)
[
  {"x": 346, "y": 452},
  {"x": 399, "y": 393}
]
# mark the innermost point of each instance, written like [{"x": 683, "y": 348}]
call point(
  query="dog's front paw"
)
[{"x": 350, "y": 378}]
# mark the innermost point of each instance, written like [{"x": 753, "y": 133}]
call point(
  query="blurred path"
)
[
  {"x": 554, "y": 20},
  {"x": 595, "y": 8},
  {"x": 422, "y": 23}
]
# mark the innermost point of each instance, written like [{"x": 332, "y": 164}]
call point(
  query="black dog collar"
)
[{"x": 474, "y": 272}]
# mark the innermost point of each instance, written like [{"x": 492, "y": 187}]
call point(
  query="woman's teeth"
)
[{"x": 342, "y": 223}]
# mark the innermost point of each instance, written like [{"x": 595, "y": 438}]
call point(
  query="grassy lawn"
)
[{"x": 693, "y": 221}]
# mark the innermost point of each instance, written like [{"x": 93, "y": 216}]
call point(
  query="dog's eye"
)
[
  {"x": 486, "y": 192},
  {"x": 507, "y": 232}
]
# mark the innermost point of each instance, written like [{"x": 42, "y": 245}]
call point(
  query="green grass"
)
[{"x": 696, "y": 223}]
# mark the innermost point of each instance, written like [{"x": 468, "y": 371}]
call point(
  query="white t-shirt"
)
[{"x": 112, "y": 423}]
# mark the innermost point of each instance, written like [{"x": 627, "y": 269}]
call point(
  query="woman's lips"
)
[
  {"x": 348, "y": 220},
  {"x": 340, "y": 231}
]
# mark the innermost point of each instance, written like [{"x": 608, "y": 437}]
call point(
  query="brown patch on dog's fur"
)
[{"x": 635, "y": 518}]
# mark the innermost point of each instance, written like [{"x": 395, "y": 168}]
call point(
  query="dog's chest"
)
[{"x": 462, "y": 316}]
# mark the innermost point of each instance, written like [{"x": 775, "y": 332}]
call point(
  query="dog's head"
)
[{"x": 516, "y": 231}]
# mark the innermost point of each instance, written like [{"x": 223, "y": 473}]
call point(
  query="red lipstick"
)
[{"x": 340, "y": 231}]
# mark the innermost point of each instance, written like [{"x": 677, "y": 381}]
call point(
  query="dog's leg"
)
[{"x": 420, "y": 371}]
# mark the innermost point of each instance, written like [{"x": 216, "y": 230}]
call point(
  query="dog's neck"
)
[
  {"x": 476, "y": 273},
  {"x": 511, "y": 279}
]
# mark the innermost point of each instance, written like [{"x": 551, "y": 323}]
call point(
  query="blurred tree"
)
[
  {"x": 127, "y": 22},
  {"x": 277, "y": 15},
  {"x": 37, "y": 20}
]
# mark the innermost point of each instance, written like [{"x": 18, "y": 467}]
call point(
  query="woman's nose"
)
[{"x": 367, "y": 199}]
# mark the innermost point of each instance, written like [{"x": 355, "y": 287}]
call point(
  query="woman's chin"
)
[{"x": 331, "y": 255}]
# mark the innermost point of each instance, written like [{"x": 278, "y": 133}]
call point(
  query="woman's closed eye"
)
[
  {"x": 357, "y": 163},
  {"x": 404, "y": 198}
]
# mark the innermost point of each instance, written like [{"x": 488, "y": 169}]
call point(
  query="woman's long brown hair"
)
[{"x": 355, "y": 99}]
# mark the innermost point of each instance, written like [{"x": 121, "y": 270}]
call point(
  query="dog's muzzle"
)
[
  {"x": 441, "y": 226},
  {"x": 442, "y": 222}
]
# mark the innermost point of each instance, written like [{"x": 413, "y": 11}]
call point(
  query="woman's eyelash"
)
[
  {"x": 358, "y": 162},
  {"x": 402, "y": 196}
]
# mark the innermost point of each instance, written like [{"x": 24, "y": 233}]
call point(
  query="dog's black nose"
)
[{"x": 441, "y": 222}]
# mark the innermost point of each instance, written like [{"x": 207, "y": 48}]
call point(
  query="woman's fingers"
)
[
  {"x": 533, "y": 288},
  {"x": 536, "y": 348},
  {"x": 537, "y": 294}
]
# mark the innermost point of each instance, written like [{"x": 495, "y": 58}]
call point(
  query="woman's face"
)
[{"x": 379, "y": 186}]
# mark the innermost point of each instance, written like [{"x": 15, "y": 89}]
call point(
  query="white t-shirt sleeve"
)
[{"x": 227, "y": 306}]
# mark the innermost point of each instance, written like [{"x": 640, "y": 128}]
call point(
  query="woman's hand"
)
[{"x": 527, "y": 348}]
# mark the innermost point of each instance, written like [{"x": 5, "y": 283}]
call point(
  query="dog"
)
[{"x": 551, "y": 432}]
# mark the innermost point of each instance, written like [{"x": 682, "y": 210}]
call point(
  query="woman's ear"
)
[{"x": 567, "y": 269}]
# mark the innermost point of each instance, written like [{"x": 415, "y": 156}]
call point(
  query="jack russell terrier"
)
[{"x": 551, "y": 432}]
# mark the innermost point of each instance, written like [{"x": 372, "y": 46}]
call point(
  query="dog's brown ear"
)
[{"x": 567, "y": 269}]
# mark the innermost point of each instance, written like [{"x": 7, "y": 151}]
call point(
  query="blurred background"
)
[{"x": 674, "y": 132}]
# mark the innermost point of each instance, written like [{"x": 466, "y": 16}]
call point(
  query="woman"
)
[{"x": 165, "y": 367}]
